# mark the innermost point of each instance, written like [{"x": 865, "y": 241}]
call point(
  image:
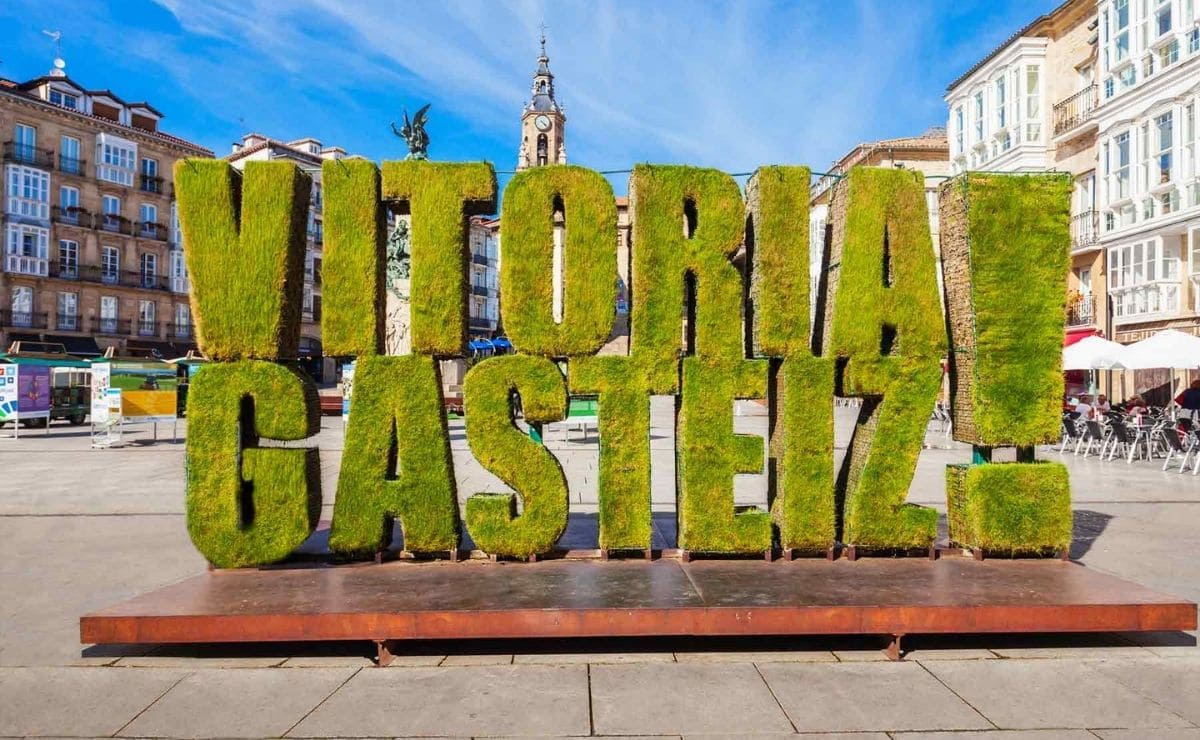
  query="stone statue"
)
[
  {"x": 413, "y": 133},
  {"x": 398, "y": 315}
]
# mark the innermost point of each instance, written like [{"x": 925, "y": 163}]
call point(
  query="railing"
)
[
  {"x": 67, "y": 322},
  {"x": 72, "y": 215},
  {"x": 1085, "y": 230},
  {"x": 72, "y": 165},
  {"x": 26, "y": 265},
  {"x": 179, "y": 285},
  {"x": 26, "y": 154},
  {"x": 111, "y": 326},
  {"x": 147, "y": 328},
  {"x": 152, "y": 184},
  {"x": 68, "y": 270},
  {"x": 1075, "y": 110},
  {"x": 108, "y": 276},
  {"x": 478, "y": 323},
  {"x": 114, "y": 223},
  {"x": 23, "y": 319},
  {"x": 479, "y": 290},
  {"x": 1082, "y": 313},
  {"x": 179, "y": 331},
  {"x": 479, "y": 259},
  {"x": 152, "y": 230}
]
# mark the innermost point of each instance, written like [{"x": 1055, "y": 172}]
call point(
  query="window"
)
[
  {"x": 979, "y": 116},
  {"x": 183, "y": 320},
  {"x": 1121, "y": 24},
  {"x": 1144, "y": 278},
  {"x": 1109, "y": 87},
  {"x": 1001, "y": 104},
  {"x": 1127, "y": 77},
  {"x": 147, "y": 320},
  {"x": 178, "y": 266},
  {"x": 68, "y": 155},
  {"x": 149, "y": 167},
  {"x": 68, "y": 259},
  {"x": 1194, "y": 41},
  {"x": 148, "y": 269},
  {"x": 66, "y": 100},
  {"x": 110, "y": 206},
  {"x": 115, "y": 159},
  {"x": 176, "y": 229},
  {"x": 22, "y": 306},
  {"x": 1163, "y": 140},
  {"x": 108, "y": 314},
  {"x": 1191, "y": 166},
  {"x": 1033, "y": 103},
  {"x": 1162, "y": 17},
  {"x": 1121, "y": 167},
  {"x": 68, "y": 312},
  {"x": 27, "y": 249},
  {"x": 958, "y": 130},
  {"x": 110, "y": 265},
  {"x": 1169, "y": 54},
  {"x": 28, "y": 192},
  {"x": 149, "y": 218},
  {"x": 151, "y": 182},
  {"x": 25, "y": 143}
]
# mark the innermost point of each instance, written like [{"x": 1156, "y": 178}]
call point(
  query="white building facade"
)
[{"x": 1149, "y": 184}]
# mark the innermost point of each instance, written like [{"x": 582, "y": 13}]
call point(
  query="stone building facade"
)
[{"x": 93, "y": 254}]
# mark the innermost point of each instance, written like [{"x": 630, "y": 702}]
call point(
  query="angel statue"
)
[{"x": 413, "y": 133}]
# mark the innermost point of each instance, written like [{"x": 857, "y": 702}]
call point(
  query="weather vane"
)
[
  {"x": 57, "y": 37},
  {"x": 413, "y": 133}
]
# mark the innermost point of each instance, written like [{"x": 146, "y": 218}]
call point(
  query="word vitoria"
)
[{"x": 733, "y": 266}]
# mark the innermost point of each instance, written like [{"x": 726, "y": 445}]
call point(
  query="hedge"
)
[
  {"x": 801, "y": 449},
  {"x": 502, "y": 449},
  {"x": 777, "y": 198},
  {"x": 884, "y": 321},
  {"x": 1006, "y": 254},
  {"x": 245, "y": 238},
  {"x": 662, "y": 257},
  {"x": 589, "y": 261},
  {"x": 623, "y": 483},
  {"x": 249, "y": 505},
  {"x": 355, "y": 259},
  {"x": 440, "y": 196},
  {"x": 396, "y": 463},
  {"x": 1013, "y": 508},
  {"x": 710, "y": 454}
]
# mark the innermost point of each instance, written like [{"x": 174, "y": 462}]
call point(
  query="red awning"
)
[{"x": 1074, "y": 335}]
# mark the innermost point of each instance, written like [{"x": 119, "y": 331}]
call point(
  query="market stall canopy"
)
[
  {"x": 1167, "y": 349},
  {"x": 1095, "y": 353}
]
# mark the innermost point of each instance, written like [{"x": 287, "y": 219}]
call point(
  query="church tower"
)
[{"x": 543, "y": 122}]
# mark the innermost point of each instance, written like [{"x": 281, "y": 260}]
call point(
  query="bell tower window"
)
[{"x": 542, "y": 154}]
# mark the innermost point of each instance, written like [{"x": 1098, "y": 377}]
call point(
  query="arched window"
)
[{"x": 542, "y": 155}]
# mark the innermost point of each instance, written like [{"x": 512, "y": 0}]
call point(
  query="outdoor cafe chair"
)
[
  {"x": 1071, "y": 432},
  {"x": 1093, "y": 433},
  {"x": 1175, "y": 446}
]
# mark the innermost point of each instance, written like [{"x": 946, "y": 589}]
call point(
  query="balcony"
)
[
  {"x": 67, "y": 322},
  {"x": 479, "y": 259},
  {"x": 178, "y": 330},
  {"x": 72, "y": 166},
  {"x": 22, "y": 319},
  {"x": 1085, "y": 230},
  {"x": 110, "y": 326},
  {"x": 25, "y": 265},
  {"x": 109, "y": 276},
  {"x": 152, "y": 230},
  {"x": 481, "y": 290},
  {"x": 1082, "y": 312},
  {"x": 115, "y": 223},
  {"x": 147, "y": 328},
  {"x": 72, "y": 215},
  {"x": 151, "y": 184},
  {"x": 1075, "y": 110},
  {"x": 64, "y": 270},
  {"x": 30, "y": 155},
  {"x": 482, "y": 324}
]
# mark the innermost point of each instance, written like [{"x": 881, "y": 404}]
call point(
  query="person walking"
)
[{"x": 1189, "y": 400}]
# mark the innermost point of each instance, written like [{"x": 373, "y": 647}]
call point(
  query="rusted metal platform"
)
[{"x": 571, "y": 598}]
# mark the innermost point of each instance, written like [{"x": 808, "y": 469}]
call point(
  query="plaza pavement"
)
[{"x": 81, "y": 529}]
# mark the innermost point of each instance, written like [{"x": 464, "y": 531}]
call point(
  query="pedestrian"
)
[{"x": 1189, "y": 400}]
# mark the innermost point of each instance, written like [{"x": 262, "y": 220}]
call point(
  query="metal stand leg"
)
[
  {"x": 383, "y": 653},
  {"x": 893, "y": 649},
  {"x": 852, "y": 552}
]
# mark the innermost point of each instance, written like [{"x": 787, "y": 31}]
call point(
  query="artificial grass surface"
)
[
  {"x": 779, "y": 288},
  {"x": 1018, "y": 231},
  {"x": 1011, "y": 508},
  {"x": 249, "y": 505},
  {"x": 502, "y": 449},
  {"x": 709, "y": 454},
  {"x": 801, "y": 449},
  {"x": 623, "y": 482},
  {"x": 245, "y": 238},
  {"x": 354, "y": 259},
  {"x": 589, "y": 258},
  {"x": 440, "y": 196},
  {"x": 396, "y": 463},
  {"x": 886, "y": 325}
]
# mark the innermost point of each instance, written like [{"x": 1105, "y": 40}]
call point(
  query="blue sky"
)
[{"x": 731, "y": 85}]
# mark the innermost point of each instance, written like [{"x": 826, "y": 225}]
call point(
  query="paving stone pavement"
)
[{"x": 81, "y": 529}]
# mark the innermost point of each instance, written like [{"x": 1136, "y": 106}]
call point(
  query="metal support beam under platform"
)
[{"x": 571, "y": 598}]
